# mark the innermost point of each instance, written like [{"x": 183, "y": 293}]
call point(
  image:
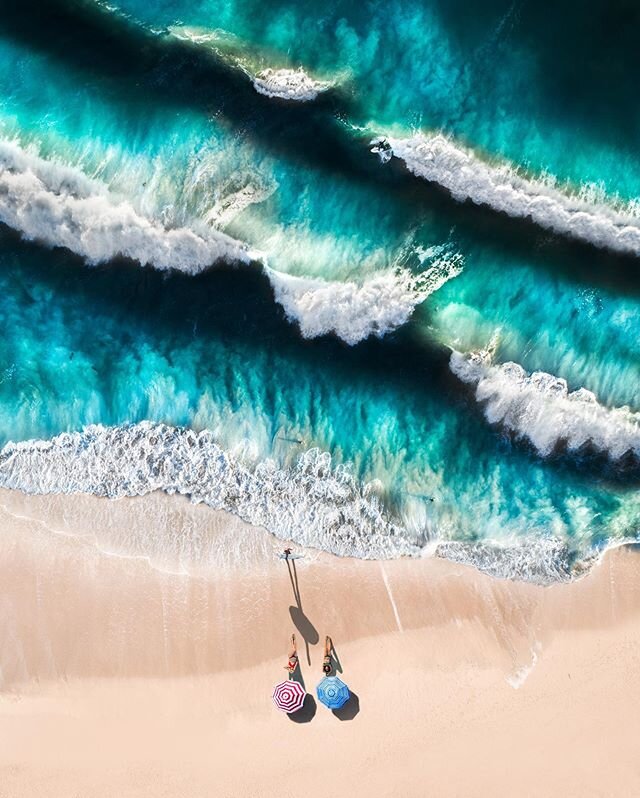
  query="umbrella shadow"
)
[
  {"x": 301, "y": 622},
  {"x": 307, "y": 711},
  {"x": 350, "y": 709}
]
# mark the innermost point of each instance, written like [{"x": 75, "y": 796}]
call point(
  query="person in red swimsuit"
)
[{"x": 292, "y": 664}]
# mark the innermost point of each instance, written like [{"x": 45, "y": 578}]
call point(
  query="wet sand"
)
[{"x": 131, "y": 676}]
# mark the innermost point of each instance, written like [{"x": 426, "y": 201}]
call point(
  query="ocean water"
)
[{"x": 365, "y": 275}]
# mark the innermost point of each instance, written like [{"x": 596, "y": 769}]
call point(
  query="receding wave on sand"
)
[{"x": 313, "y": 503}]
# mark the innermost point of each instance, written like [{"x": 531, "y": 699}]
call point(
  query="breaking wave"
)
[
  {"x": 60, "y": 206},
  {"x": 438, "y": 159},
  {"x": 277, "y": 82},
  {"x": 288, "y": 84},
  {"x": 354, "y": 311},
  {"x": 539, "y": 407}
]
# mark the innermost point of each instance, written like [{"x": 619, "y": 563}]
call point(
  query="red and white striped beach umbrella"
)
[{"x": 289, "y": 696}]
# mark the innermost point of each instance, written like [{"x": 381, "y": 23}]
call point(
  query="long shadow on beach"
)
[{"x": 300, "y": 620}]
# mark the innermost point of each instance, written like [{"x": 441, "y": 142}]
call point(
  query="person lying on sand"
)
[
  {"x": 292, "y": 664},
  {"x": 327, "y": 666}
]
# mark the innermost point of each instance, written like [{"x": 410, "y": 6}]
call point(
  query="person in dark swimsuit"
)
[{"x": 327, "y": 665}]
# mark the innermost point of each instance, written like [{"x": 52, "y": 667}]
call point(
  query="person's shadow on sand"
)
[
  {"x": 336, "y": 666},
  {"x": 300, "y": 620}
]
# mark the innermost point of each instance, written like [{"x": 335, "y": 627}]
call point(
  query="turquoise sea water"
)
[{"x": 203, "y": 255}]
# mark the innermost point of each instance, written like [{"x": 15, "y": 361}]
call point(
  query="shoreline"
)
[
  {"x": 118, "y": 678},
  {"x": 510, "y": 559}
]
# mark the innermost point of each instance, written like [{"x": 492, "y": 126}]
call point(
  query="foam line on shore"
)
[{"x": 313, "y": 503}]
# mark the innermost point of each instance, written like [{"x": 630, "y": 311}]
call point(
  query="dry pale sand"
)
[{"x": 152, "y": 677}]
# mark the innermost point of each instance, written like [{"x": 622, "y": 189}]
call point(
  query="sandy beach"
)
[{"x": 141, "y": 640}]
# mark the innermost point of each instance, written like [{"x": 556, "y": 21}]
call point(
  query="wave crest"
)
[
  {"x": 283, "y": 83},
  {"x": 288, "y": 84},
  {"x": 438, "y": 159},
  {"x": 62, "y": 207},
  {"x": 540, "y": 408},
  {"x": 355, "y": 311}
]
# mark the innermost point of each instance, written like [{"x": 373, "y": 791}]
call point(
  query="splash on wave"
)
[
  {"x": 355, "y": 311},
  {"x": 540, "y": 408},
  {"x": 283, "y": 83},
  {"x": 288, "y": 84},
  {"x": 60, "y": 206},
  {"x": 467, "y": 177}
]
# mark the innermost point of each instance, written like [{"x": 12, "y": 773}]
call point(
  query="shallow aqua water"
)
[
  {"x": 175, "y": 131},
  {"x": 225, "y": 360}
]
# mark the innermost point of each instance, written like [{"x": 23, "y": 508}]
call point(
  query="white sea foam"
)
[
  {"x": 278, "y": 82},
  {"x": 541, "y": 560},
  {"x": 231, "y": 204},
  {"x": 467, "y": 177},
  {"x": 517, "y": 679},
  {"x": 313, "y": 503},
  {"x": 199, "y": 35},
  {"x": 60, "y": 206},
  {"x": 540, "y": 408},
  {"x": 288, "y": 84},
  {"x": 354, "y": 311}
]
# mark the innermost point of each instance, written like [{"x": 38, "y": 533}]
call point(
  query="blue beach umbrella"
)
[{"x": 333, "y": 692}]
